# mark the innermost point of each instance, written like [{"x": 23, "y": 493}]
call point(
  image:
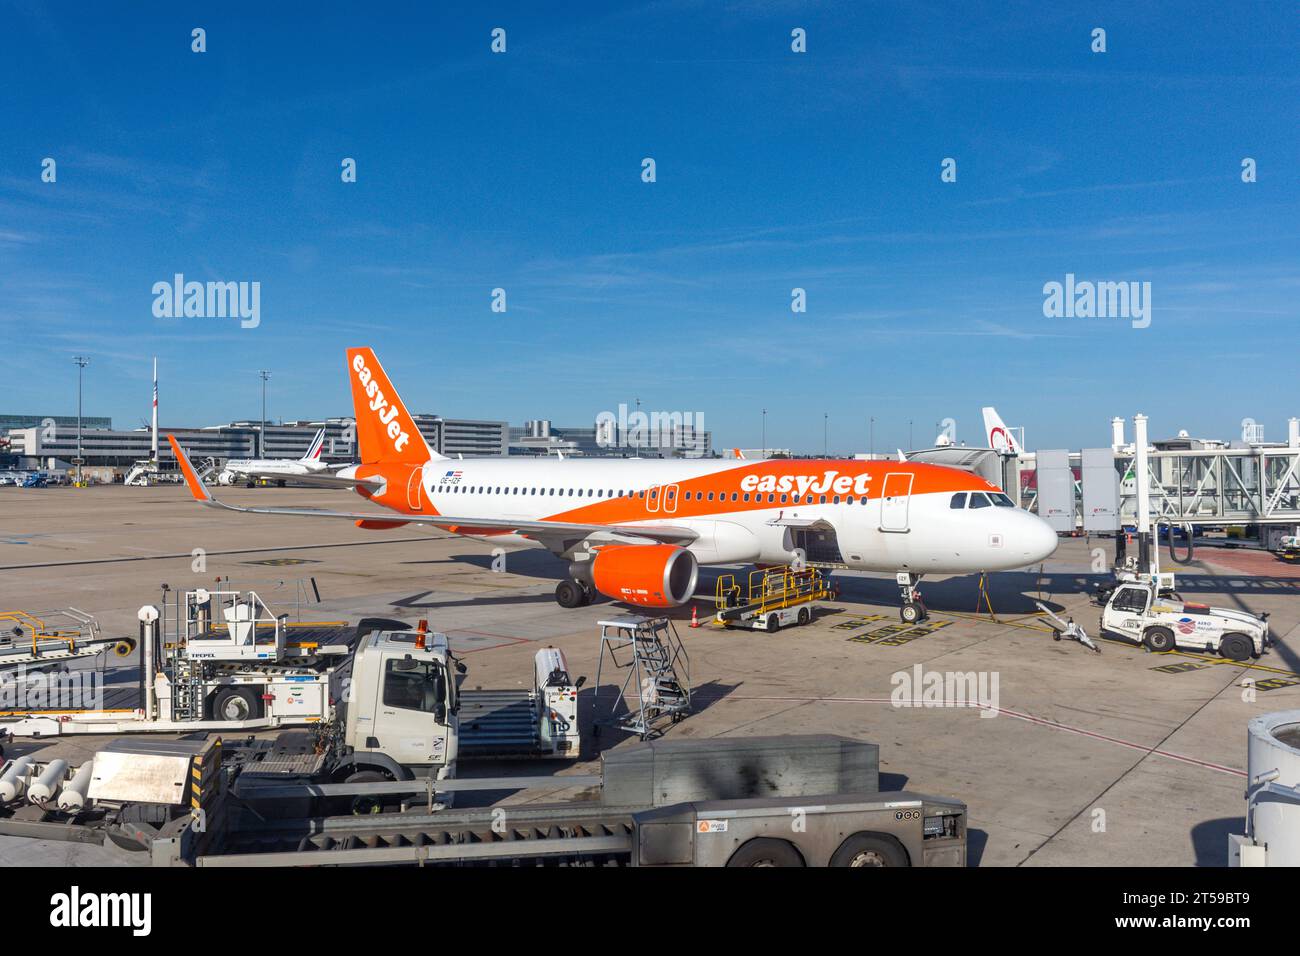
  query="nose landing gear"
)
[{"x": 913, "y": 610}]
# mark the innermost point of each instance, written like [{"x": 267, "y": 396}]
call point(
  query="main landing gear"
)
[
  {"x": 570, "y": 593},
  {"x": 913, "y": 610}
]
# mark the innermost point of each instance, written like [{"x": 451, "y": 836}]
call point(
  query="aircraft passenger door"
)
[
  {"x": 413, "y": 500},
  {"x": 894, "y": 500},
  {"x": 670, "y": 493}
]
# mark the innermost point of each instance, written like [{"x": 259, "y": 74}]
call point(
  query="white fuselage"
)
[
  {"x": 745, "y": 511},
  {"x": 260, "y": 467}
]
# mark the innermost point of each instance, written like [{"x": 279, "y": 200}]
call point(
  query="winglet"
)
[{"x": 191, "y": 476}]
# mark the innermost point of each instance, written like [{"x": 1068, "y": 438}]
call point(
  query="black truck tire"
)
[
  {"x": 870, "y": 849},
  {"x": 236, "y": 703},
  {"x": 1159, "y": 639},
  {"x": 1236, "y": 647},
  {"x": 765, "y": 851}
]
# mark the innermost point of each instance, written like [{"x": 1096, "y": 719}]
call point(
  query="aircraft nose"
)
[{"x": 1039, "y": 541}]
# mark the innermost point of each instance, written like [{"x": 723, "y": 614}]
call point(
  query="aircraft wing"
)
[{"x": 555, "y": 535}]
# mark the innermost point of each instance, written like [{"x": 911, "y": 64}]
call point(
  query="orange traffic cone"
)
[{"x": 695, "y": 616}]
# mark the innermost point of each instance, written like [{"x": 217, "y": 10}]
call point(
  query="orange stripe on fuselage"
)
[
  {"x": 818, "y": 480},
  {"x": 927, "y": 479}
]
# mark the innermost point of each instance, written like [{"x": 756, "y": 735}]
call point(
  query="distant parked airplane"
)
[{"x": 276, "y": 469}]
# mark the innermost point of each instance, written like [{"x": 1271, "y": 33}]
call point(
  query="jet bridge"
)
[
  {"x": 1097, "y": 490},
  {"x": 1254, "y": 485}
]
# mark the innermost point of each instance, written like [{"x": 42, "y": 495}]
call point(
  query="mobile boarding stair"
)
[
  {"x": 50, "y": 639},
  {"x": 772, "y": 598},
  {"x": 656, "y": 689}
]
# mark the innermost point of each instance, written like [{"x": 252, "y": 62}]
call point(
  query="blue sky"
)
[{"x": 774, "y": 170}]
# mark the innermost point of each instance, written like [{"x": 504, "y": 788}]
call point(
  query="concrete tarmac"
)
[{"x": 1111, "y": 759}]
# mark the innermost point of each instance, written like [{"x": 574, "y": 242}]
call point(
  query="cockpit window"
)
[
  {"x": 958, "y": 500},
  {"x": 978, "y": 500},
  {"x": 1002, "y": 501}
]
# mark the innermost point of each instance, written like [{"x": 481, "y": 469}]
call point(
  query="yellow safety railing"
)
[
  {"x": 771, "y": 588},
  {"x": 38, "y": 629}
]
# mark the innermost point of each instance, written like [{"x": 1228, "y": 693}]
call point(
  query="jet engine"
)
[{"x": 651, "y": 575}]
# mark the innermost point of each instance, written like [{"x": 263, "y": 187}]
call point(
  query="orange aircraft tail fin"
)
[{"x": 385, "y": 430}]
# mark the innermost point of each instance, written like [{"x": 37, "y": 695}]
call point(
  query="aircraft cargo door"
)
[{"x": 894, "y": 500}]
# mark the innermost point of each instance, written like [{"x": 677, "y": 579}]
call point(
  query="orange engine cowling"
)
[{"x": 651, "y": 575}]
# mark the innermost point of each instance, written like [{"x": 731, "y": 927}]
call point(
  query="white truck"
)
[
  {"x": 394, "y": 718},
  {"x": 385, "y": 695},
  {"x": 1146, "y": 610}
]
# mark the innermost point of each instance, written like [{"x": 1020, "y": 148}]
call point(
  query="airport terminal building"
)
[{"x": 49, "y": 442}]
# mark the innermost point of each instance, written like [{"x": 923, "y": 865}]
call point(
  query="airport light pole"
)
[
  {"x": 826, "y": 430},
  {"x": 82, "y": 361},
  {"x": 909, "y": 434},
  {"x": 261, "y": 432},
  {"x": 765, "y": 433},
  {"x": 871, "y": 433}
]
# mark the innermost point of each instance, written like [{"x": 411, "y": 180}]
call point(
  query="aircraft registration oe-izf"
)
[{"x": 637, "y": 530}]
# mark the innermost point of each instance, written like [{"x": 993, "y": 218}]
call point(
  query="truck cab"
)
[
  {"x": 1146, "y": 613},
  {"x": 400, "y": 704}
]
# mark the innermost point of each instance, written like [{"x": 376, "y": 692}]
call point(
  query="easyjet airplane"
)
[{"x": 637, "y": 530}]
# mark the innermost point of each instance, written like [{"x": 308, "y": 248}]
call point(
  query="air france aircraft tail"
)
[
  {"x": 385, "y": 430},
  {"x": 999, "y": 436},
  {"x": 313, "y": 452}
]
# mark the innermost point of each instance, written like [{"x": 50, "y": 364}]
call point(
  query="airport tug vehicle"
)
[{"x": 1146, "y": 609}]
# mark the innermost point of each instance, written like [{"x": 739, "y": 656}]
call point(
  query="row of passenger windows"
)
[
  {"x": 653, "y": 494},
  {"x": 978, "y": 499}
]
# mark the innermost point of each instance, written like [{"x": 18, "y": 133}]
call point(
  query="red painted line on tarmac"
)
[{"x": 505, "y": 640}]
